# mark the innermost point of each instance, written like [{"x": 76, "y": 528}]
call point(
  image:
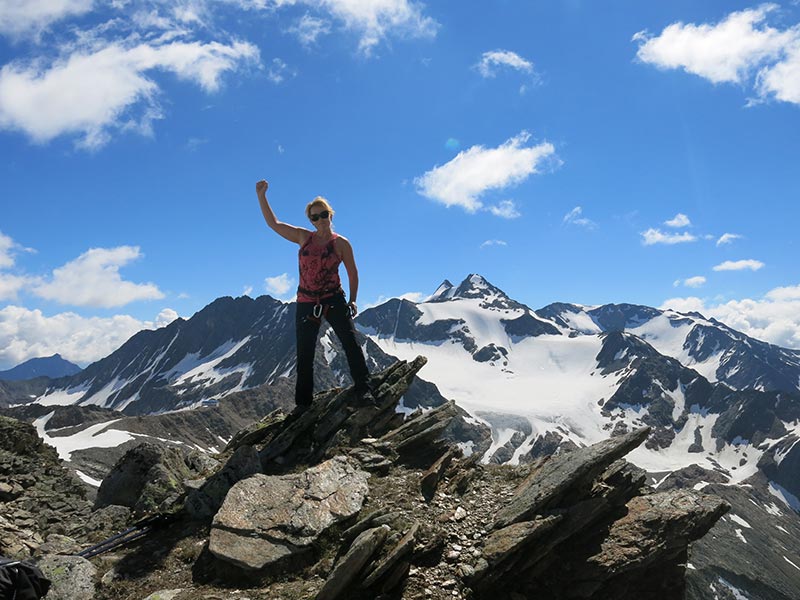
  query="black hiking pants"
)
[{"x": 337, "y": 313}]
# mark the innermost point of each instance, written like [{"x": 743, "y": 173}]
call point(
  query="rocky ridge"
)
[{"x": 369, "y": 503}]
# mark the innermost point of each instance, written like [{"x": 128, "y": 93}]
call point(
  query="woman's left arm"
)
[{"x": 346, "y": 252}]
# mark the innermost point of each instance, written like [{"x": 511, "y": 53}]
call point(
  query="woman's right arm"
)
[{"x": 298, "y": 235}]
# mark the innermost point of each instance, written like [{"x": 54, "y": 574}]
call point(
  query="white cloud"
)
[
  {"x": 7, "y": 246},
  {"x": 679, "y": 220},
  {"x": 782, "y": 80},
  {"x": 775, "y": 318},
  {"x": 93, "y": 279},
  {"x": 488, "y": 243},
  {"x": 727, "y": 238},
  {"x": 739, "y": 265},
  {"x": 473, "y": 172},
  {"x": 415, "y": 297},
  {"x": 574, "y": 217},
  {"x": 693, "y": 282},
  {"x": 309, "y": 29},
  {"x": 740, "y": 49},
  {"x": 26, "y": 334},
  {"x": 165, "y": 317},
  {"x": 280, "y": 285},
  {"x": 248, "y": 289},
  {"x": 95, "y": 90},
  {"x": 11, "y": 285},
  {"x": 24, "y": 17},
  {"x": 374, "y": 20},
  {"x": 489, "y": 62},
  {"x": 278, "y": 71},
  {"x": 724, "y": 52},
  {"x": 505, "y": 209},
  {"x": 656, "y": 236}
]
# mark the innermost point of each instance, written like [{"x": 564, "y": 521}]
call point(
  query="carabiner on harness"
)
[{"x": 317, "y": 312}]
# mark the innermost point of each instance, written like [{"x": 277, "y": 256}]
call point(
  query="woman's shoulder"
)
[{"x": 305, "y": 236}]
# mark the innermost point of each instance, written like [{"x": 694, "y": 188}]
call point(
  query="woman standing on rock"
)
[{"x": 320, "y": 294}]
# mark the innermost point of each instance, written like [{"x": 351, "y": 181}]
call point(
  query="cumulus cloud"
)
[
  {"x": 727, "y": 238},
  {"x": 741, "y": 49},
  {"x": 279, "y": 285},
  {"x": 774, "y": 318},
  {"x": 478, "y": 170},
  {"x": 656, "y": 236},
  {"x": 739, "y": 265},
  {"x": 26, "y": 334},
  {"x": 26, "y": 17},
  {"x": 11, "y": 285},
  {"x": 679, "y": 220},
  {"x": 693, "y": 282},
  {"x": 93, "y": 279},
  {"x": 490, "y": 61},
  {"x": 488, "y": 243},
  {"x": 104, "y": 87},
  {"x": 574, "y": 217}
]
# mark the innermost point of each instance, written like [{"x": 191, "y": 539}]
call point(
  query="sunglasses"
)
[{"x": 323, "y": 215}]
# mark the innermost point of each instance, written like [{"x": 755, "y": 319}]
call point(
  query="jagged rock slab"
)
[
  {"x": 338, "y": 418},
  {"x": 351, "y": 564},
  {"x": 266, "y": 518},
  {"x": 565, "y": 472}
]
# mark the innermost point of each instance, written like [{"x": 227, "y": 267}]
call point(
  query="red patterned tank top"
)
[{"x": 319, "y": 270}]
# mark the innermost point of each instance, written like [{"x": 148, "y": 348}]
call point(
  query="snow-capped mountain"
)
[
  {"x": 233, "y": 344},
  {"x": 577, "y": 374},
  {"x": 724, "y": 408}
]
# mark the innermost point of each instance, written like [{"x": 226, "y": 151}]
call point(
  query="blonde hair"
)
[{"x": 319, "y": 200}]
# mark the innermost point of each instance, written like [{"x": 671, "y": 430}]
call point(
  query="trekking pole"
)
[{"x": 139, "y": 529}]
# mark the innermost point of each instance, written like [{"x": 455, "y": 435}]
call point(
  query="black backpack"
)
[{"x": 21, "y": 580}]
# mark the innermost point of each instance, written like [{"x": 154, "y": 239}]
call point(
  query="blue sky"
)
[{"x": 568, "y": 151}]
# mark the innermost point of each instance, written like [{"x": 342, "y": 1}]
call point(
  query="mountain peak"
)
[{"x": 474, "y": 286}]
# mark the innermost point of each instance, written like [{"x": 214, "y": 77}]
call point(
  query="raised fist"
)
[{"x": 261, "y": 187}]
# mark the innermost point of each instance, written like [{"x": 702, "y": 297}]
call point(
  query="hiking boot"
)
[{"x": 299, "y": 409}]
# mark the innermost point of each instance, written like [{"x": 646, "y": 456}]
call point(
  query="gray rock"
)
[
  {"x": 404, "y": 547},
  {"x": 351, "y": 564},
  {"x": 164, "y": 594},
  {"x": 509, "y": 542},
  {"x": 58, "y": 544},
  {"x": 144, "y": 479},
  {"x": 72, "y": 577},
  {"x": 266, "y": 518},
  {"x": 430, "y": 479},
  {"x": 203, "y": 502},
  {"x": 569, "y": 471}
]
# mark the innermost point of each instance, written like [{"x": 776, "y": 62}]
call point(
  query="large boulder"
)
[
  {"x": 72, "y": 577},
  {"x": 147, "y": 478},
  {"x": 267, "y": 518}
]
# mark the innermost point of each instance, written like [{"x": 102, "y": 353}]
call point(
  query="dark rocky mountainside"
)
[{"x": 354, "y": 500}]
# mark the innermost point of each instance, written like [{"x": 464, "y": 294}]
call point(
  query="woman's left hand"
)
[{"x": 353, "y": 308}]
